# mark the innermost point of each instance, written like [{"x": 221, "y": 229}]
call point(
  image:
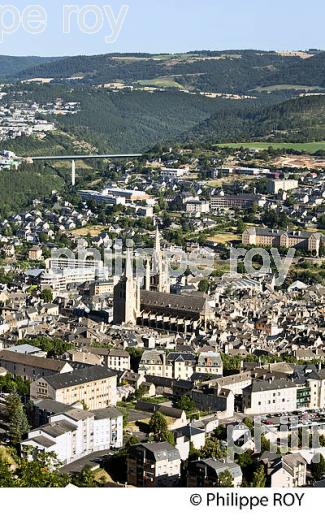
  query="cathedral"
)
[{"x": 154, "y": 306}]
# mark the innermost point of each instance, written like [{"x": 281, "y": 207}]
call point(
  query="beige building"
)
[
  {"x": 95, "y": 387},
  {"x": 31, "y": 367},
  {"x": 274, "y": 186},
  {"x": 35, "y": 253},
  {"x": 316, "y": 381},
  {"x": 265, "y": 237},
  {"x": 209, "y": 362}
]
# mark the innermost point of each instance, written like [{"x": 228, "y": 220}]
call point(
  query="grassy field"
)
[
  {"x": 163, "y": 82},
  {"x": 92, "y": 231},
  {"x": 300, "y": 147},
  {"x": 224, "y": 238}
]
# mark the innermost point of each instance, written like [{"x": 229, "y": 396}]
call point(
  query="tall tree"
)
[
  {"x": 18, "y": 422},
  {"x": 159, "y": 428}
]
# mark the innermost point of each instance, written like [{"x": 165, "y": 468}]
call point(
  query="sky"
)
[{"x": 61, "y": 27}]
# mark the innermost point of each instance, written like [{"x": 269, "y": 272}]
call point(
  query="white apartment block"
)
[
  {"x": 118, "y": 360},
  {"x": 77, "y": 433},
  {"x": 58, "y": 280},
  {"x": 273, "y": 396},
  {"x": 197, "y": 206}
]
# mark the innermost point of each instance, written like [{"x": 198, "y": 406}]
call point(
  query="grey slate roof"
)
[
  {"x": 162, "y": 451},
  {"x": 79, "y": 377}
]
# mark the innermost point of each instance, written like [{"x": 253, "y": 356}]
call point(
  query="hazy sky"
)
[{"x": 160, "y": 26}]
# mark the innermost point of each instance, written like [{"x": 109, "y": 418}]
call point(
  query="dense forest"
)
[
  {"x": 221, "y": 71},
  {"x": 19, "y": 188}
]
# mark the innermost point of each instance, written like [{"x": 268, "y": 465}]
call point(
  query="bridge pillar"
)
[{"x": 73, "y": 173}]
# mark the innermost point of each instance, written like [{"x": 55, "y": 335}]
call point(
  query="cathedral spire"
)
[
  {"x": 128, "y": 264},
  {"x": 157, "y": 241}
]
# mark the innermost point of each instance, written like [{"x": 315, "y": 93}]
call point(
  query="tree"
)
[
  {"x": 187, "y": 404},
  {"x": 248, "y": 421},
  {"x": 259, "y": 479},
  {"x": 159, "y": 428},
  {"x": 18, "y": 423},
  {"x": 212, "y": 448},
  {"x": 41, "y": 472},
  {"x": 85, "y": 478},
  {"x": 47, "y": 295},
  {"x": 240, "y": 226},
  {"x": 6, "y": 476},
  {"x": 204, "y": 285},
  {"x": 318, "y": 468},
  {"x": 225, "y": 479}
]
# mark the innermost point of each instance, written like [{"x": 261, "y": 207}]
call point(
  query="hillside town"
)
[{"x": 134, "y": 353}]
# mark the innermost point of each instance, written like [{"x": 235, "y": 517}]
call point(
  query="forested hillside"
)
[
  {"x": 221, "y": 71},
  {"x": 299, "y": 119},
  {"x": 12, "y": 66}
]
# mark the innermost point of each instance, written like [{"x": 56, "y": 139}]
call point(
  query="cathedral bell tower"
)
[{"x": 126, "y": 303}]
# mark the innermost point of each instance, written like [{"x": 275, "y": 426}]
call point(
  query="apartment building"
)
[
  {"x": 265, "y": 237},
  {"x": 243, "y": 201},
  {"x": 95, "y": 387},
  {"x": 74, "y": 433},
  {"x": 173, "y": 365},
  {"x": 31, "y": 367},
  {"x": 316, "y": 382},
  {"x": 209, "y": 362},
  {"x": 285, "y": 471},
  {"x": 102, "y": 198},
  {"x": 271, "y": 396},
  {"x": 194, "y": 206},
  {"x": 277, "y": 184},
  {"x": 118, "y": 359},
  {"x": 156, "y": 464},
  {"x": 59, "y": 279},
  {"x": 207, "y": 472},
  {"x": 63, "y": 262}
]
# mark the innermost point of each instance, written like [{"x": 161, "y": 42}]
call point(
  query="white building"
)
[
  {"x": 197, "y": 206},
  {"x": 273, "y": 396},
  {"x": 59, "y": 279},
  {"x": 76, "y": 433}
]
